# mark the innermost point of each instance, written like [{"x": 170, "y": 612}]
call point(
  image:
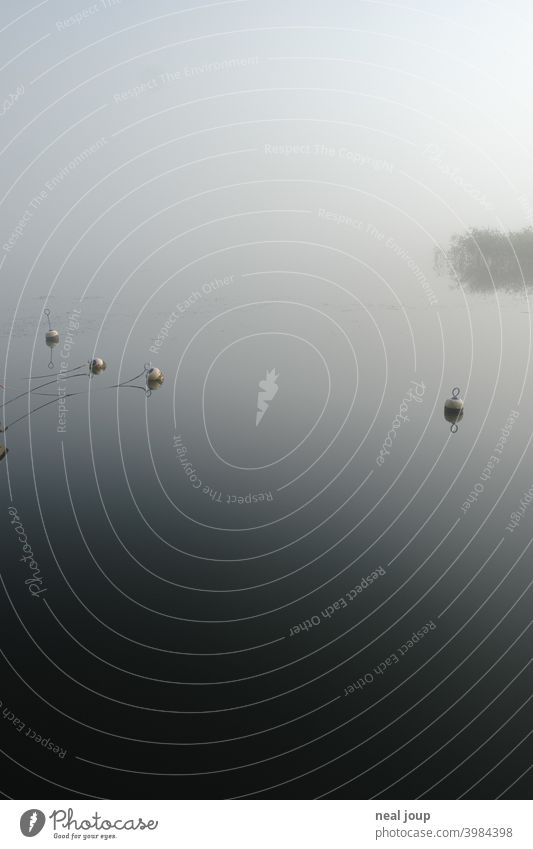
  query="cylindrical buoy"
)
[
  {"x": 154, "y": 377},
  {"x": 454, "y": 409},
  {"x": 97, "y": 365}
]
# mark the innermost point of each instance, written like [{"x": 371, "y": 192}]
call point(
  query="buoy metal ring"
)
[{"x": 455, "y": 392}]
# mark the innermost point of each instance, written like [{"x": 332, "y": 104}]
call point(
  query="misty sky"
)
[{"x": 412, "y": 119}]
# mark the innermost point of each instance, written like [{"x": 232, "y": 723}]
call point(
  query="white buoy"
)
[
  {"x": 52, "y": 336},
  {"x": 454, "y": 409},
  {"x": 97, "y": 366}
]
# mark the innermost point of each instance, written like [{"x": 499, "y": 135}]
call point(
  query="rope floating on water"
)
[
  {"x": 41, "y": 407},
  {"x": 35, "y": 388},
  {"x": 137, "y": 376},
  {"x": 154, "y": 378},
  {"x": 57, "y": 373},
  {"x": 153, "y": 381}
]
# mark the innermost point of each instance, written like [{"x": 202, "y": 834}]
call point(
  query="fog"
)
[
  {"x": 413, "y": 121},
  {"x": 306, "y": 225}
]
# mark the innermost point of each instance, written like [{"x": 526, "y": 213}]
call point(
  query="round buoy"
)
[
  {"x": 52, "y": 336},
  {"x": 51, "y": 339},
  {"x": 154, "y": 377},
  {"x": 454, "y": 409},
  {"x": 97, "y": 366}
]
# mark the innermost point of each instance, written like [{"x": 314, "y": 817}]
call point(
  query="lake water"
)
[{"x": 227, "y": 608}]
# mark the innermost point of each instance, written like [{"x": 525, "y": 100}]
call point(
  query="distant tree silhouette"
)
[{"x": 484, "y": 260}]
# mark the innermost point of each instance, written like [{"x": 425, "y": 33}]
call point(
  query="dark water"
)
[{"x": 167, "y": 654}]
